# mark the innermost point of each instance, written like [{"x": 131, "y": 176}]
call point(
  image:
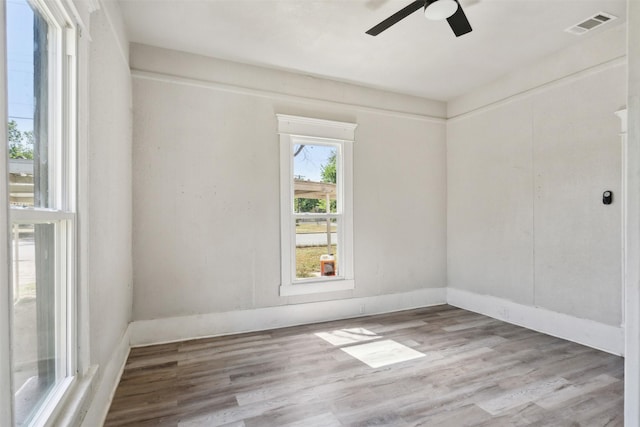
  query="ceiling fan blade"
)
[
  {"x": 396, "y": 17},
  {"x": 459, "y": 22}
]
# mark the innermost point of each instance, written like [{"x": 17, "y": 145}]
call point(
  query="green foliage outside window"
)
[
  {"x": 329, "y": 174},
  {"x": 329, "y": 170},
  {"x": 20, "y": 142}
]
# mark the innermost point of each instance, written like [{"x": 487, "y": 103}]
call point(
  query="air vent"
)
[{"x": 590, "y": 23}]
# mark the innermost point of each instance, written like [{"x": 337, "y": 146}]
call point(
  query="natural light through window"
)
[
  {"x": 41, "y": 149},
  {"x": 347, "y": 336},
  {"x": 316, "y": 205},
  {"x": 369, "y": 347},
  {"x": 382, "y": 353}
]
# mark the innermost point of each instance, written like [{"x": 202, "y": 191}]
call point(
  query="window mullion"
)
[
  {"x": 298, "y": 215},
  {"x": 40, "y": 215}
]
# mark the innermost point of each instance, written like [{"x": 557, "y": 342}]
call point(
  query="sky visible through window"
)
[
  {"x": 308, "y": 164},
  {"x": 20, "y": 63}
]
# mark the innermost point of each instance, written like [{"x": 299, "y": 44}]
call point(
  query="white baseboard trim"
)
[
  {"x": 582, "y": 331},
  {"x": 148, "y": 332},
  {"x": 107, "y": 382}
]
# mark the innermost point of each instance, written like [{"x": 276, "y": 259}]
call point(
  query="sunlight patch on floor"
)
[
  {"x": 382, "y": 353},
  {"x": 348, "y": 336},
  {"x": 375, "y": 354}
]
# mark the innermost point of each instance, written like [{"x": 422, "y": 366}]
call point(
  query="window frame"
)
[
  {"x": 6, "y": 393},
  {"x": 294, "y": 130},
  {"x": 62, "y": 122}
]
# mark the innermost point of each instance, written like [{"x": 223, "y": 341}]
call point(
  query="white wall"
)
[
  {"x": 106, "y": 210},
  {"x": 594, "y": 51},
  {"x": 110, "y": 267},
  {"x": 205, "y": 187},
  {"x": 206, "y": 184},
  {"x": 528, "y": 162},
  {"x": 632, "y": 360}
]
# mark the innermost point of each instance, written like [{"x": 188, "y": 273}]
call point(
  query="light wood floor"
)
[{"x": 462, "y": 369}]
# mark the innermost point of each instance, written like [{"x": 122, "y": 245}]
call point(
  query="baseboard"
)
[
  {"x": 108, "y": 379},
  {"x": 148, "y": 332},
  {"x": 582, "y": 331}
]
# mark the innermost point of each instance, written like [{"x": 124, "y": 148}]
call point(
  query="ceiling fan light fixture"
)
[{"x": 439, "y": 10}]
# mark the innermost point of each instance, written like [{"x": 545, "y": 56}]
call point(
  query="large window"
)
[
  {"x": 316, "y": 205},
  {"x": 41, "y": 57}
]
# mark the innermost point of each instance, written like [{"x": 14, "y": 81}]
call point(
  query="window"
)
[
  {"x": 316, "y": 205},
  {"x": 41, "y": 68}
]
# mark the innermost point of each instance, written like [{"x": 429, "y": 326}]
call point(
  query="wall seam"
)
[
  {"x": 533, "y": 204},
  {"x": 446, "y": 204}
]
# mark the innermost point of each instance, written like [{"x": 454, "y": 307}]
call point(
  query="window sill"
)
[
  {"x": 52, "y": 403},
  {"x": 75, "y": 405},
  {"x": 317, "y": 287}
]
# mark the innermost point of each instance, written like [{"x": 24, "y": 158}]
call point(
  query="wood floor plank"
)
[{"x": 476, "y": 371}]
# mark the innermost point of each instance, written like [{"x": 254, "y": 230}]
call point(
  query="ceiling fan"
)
[{"x": 436, "y": 10}]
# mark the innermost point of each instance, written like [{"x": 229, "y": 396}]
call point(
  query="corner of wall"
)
[
  {"x": 177, "y": 66},
  {"x": 106, "y": 233},
  {"x": 113, "y": 14},
  {"x": 514, "y": 136},
  {"x": 582, "y": 331},
  {"x": 607, "y": 47},
  {"x": 107, "y": 378},
  {"x": 156, "y": 331}
]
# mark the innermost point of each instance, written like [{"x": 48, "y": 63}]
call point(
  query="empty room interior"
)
[{"x": 320, "y": 213}]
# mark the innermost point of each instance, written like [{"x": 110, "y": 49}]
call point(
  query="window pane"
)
[
  {"x": 315, "y": 177},
  {"x": 36, "y": 357},
  {"x": 39, "y": 333},
  {"x": 28, "y": 90},
  {"x": 316, "y": 248}
]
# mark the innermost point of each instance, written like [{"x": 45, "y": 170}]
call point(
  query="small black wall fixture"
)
[{"x": 607, "y": 197}]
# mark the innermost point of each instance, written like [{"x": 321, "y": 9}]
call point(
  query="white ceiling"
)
[{"x": 327, "y": 37}]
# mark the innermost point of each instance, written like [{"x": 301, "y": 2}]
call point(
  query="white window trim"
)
[
  {"x": 6, "y": 394},
  {"x": 63, "y": 15},
  {"x": 291, "y": 129}
]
